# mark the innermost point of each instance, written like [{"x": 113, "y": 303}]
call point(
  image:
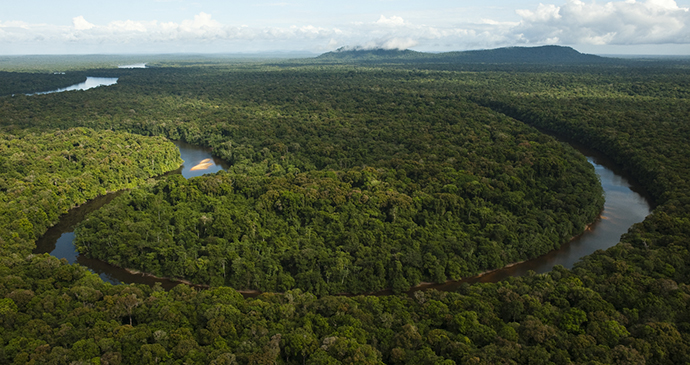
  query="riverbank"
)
[
  {"x": 624, "y": 205},
  {"x": 477, "y": 278}
]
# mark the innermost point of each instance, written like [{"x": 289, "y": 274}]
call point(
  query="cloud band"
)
[{"x": 573, "y": 23}]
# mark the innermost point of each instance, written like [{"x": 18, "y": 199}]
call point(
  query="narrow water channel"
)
[
  {"x": 90, "y": 83},
  {"x": 625, "y": 205},
  {"x": 58, "y": 239}
]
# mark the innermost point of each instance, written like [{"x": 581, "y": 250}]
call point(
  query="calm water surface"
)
[
  {"x": 90, "y": 83},
  {"x": 134, "y": 65},
  {"x": 625, "y": 205},
  {"x": 193, "y": 156},
  {"x": 58, "y": 240}
]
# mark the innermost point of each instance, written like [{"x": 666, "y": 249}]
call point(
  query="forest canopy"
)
[
  {"x": 625, "y": 305},
  {"x": 43, "y": 175},
  {"x": 363, "y": 200}
]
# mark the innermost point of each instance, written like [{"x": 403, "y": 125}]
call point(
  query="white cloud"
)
[
  {"x": 392, "y": 21},
  {"x": 388, "y": 44},
  {"x": 81, "y": 24},
  {"x": 573, "y": 22},
  {"x": 128, "y": 26},
  {"x": 202, "y": 25},
  {"x": 616, "y": 22},
  {"x": 544, "y": 13},
  {"x": 399, "y": 43}
]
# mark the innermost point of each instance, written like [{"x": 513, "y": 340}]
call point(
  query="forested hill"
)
[
  {"x": 343, "y": 54},
  {"x": 520, "y": 55}
]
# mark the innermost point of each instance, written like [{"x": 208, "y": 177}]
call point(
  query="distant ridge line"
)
[{"x": 520, "y": 55}]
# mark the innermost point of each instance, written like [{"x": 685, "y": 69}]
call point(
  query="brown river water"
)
[{"x": 626, "y": 204}]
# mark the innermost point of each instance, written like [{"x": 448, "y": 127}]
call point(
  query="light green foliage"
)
[{"x": 44, "y": 175}]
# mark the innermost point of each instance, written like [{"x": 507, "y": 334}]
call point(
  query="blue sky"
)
[{"x": 205, "y": 26}]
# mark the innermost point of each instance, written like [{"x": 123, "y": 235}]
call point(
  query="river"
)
[
  {"x": 58, "y": 239},
  {"x": 90, "y": 83},
  {"x": 134, "y": 65},
  {"x": 625, "y": 205}
]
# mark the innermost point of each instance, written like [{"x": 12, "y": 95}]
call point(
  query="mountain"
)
[
  {"x": 344, "y": 54},
  {"x": 520, "y": 55}
]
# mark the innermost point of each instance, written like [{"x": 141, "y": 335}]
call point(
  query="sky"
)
[{"x": 212, "y": 26}]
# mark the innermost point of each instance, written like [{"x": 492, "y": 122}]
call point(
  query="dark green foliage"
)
[
  {"x": 24, "y": 83},
  {"x": 290, "y": 132},
  {"x": 544, "y": 55},
  {"x": 415, "y": 184}
]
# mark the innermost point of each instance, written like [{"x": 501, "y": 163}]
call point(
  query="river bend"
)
[{"x": 626, "y": 204}]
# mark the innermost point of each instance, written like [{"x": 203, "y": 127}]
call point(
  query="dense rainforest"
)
[
  {"x": 372, "y": 196},
  {"x": 18, "y": 82},
  {"x": 44, "y": 175},
  {"x": 404, "y": 136}
]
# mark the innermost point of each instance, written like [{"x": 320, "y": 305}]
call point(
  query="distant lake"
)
[
  {"x": 90, "y": 83},
  {"x": 134, "y": 65}
]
